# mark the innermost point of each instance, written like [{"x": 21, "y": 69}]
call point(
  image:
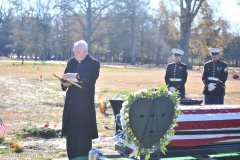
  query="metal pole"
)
[{"x": 155, "y": 112}]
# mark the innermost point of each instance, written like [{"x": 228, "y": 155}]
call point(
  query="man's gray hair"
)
[{"x": 81, "y": 43}]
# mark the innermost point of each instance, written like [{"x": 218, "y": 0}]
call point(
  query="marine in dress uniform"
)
[
  {"x": 214, "y": 77},
  {"x": 176, "y": 73},
  {"x": 79, "y": 116}
]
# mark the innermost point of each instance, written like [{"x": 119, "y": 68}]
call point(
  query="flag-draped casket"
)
[{"x": 202, "y": 125}]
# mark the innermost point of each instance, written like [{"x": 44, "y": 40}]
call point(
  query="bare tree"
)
[
  {"x": 131, "y": 10},
  {"x": 188, "y": 11},
  {"x": 89, "y": 14},
  {"x": 3, "y": 10}
]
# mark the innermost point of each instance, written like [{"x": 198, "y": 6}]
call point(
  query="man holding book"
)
[{"x": 79, "y": 117}]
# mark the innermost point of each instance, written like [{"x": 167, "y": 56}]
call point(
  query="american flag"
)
[
  {"x": 208, "y": 124},
  {"x": 2, "y": 127}
]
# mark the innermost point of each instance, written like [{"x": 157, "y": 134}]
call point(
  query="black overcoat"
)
[{"x": 79, "y": 115}]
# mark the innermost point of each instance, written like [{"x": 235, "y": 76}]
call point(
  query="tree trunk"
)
[
  {"x": 133, "y": 54},
  {"x": 142, "y": 44},
  {"x": 158, "y": 47},
  {"x": 187, "y": 15},
  {"x": 184, "y": 42},
  {"x": 89, "y": 25}
]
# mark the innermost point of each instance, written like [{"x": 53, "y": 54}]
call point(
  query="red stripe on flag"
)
[
  {"x": 2, "y": 128},
  {"x": 196, "y": 142},
  {"x": 211, "y": 111},
  {"x": 235, "y": 123}
]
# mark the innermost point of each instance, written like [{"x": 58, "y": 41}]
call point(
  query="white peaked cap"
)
[
  {"x": 177, "y": 51},
  {"x": 214, "y": 50}
]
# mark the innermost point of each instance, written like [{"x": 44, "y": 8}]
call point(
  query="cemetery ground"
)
[{"x": 31, "y": 97}]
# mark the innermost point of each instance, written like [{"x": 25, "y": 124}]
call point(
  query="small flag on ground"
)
[{"x": 2, "y": 127}]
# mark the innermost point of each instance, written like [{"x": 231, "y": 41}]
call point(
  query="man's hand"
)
[
  {"x": 211, "y": 86},
  {"x": 66, "y": 84},
  {"x": 172, "y": 89}
]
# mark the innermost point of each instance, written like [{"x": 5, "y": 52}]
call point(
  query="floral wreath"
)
[{"x": 130, "y": 138}]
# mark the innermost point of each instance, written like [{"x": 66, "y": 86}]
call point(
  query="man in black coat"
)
[
  {"x": 79, "y": 117},
  {"x": 214, "y": 77},
  {"x": 176, "y": 73}
]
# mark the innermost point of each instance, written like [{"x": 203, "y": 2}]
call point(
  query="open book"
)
[{"x": 68, "y": 80}]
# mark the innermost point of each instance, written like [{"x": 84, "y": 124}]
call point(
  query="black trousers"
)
[{"x": 78, "y": 147}]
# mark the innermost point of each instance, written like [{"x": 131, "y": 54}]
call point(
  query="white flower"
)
[
  {"x": 123, "y": 121},
  {"x": 123, "y": 108},
  {"x": 134, "y": 148},
  {"x": 170, "y": 93}
]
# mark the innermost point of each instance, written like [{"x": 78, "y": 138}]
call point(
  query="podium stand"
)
[{"x": 116, "y": 106}]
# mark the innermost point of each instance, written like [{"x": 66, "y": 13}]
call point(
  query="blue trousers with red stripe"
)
[{"x": 213, "y": 99}]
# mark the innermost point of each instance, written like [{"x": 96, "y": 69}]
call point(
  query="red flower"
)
[
  {"x": 235, "y": 76},
  {"x": 55, "y": 125},
  {"x": 46, "y": 125}
]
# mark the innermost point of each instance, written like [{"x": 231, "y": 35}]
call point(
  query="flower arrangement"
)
[
  {"x": 48, "y": 130},
  {"x": 235, "y": 76},
  {"x": 129, "y": 134}
]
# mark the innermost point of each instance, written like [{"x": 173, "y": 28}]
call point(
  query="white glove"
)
[
  {"x": 211, "y": 86},
  {"x": 172, "y": 89}
]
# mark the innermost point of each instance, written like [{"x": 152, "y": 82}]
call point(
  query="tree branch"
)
[
  {"x": 82, "y": 5},
  {"x": 99, "y": 38},
  {"x": 97, "y": 25},
  {"x": 194, "y": 6},
  {"x": 176, "y": 1},
  {"x": 181, "y": 3},
  {"x": 194, "y": 13},
  {"x": 70, "y": 8}
]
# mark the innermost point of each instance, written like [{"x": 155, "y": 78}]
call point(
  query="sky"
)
[{"x": 226, "y": 9}]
